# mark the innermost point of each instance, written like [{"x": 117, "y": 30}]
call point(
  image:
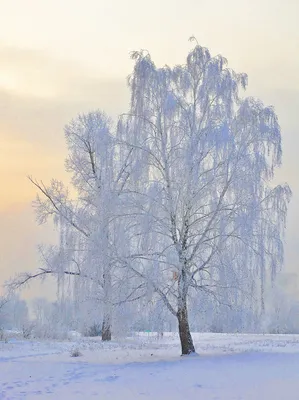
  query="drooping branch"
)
[
  {"x": 24, "y": 278},
  {"x": 61, "y": 210}
]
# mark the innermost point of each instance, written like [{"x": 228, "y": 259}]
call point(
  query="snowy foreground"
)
[{"x": 229, "y": 367}]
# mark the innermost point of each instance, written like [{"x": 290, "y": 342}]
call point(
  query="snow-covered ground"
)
[{"x": 229, "y": 367}]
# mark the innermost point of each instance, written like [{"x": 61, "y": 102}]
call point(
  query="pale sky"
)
[{"x": 61, "y": 57}]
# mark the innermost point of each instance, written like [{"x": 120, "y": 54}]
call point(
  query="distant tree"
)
[
  {"x": 3, "y": 301},
  {"x": 13, "y": 312}
]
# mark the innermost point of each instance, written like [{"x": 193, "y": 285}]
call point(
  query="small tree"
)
[
  {"x": 89, "y": 222},
  {"x": 13, "y": 312},
  {"x": 3, "y": 301}
]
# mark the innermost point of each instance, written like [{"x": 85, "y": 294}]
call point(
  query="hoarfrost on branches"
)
[
  {"x": 211, "y": 157},
  {"x": 175, "y": 204}
]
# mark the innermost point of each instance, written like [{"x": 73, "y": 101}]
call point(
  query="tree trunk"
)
[
  {"x": 184, "y": 330},
  {"x": 107, "y": 304},
  {"x": 106, "y": 328}
]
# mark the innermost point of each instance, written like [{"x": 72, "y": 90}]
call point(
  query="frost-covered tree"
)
[
  {"x": 90, "y": 223},
  {"x": 175, "y": 204},
  {"x": 13, "y": 312},
  {"x": 210, "y": 221}
]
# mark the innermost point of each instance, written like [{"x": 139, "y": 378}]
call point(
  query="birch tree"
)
[
  {"x": 177, "y": 202},
  {"x": 210, "y": 215},
  {"x": 90, "y": 222}
]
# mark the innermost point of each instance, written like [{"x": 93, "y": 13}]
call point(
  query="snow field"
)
[{"x": 228, "y": 367}]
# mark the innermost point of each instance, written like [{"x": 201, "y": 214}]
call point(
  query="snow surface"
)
[{"x": 228, "y": 367}]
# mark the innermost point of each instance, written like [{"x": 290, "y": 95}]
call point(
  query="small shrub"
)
[
  {"x": 2, "y": 335},
  {"x": 76, "y": 353},
  {"x": 93, "y": 331},
  {"x": 27, "y": 330}
]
